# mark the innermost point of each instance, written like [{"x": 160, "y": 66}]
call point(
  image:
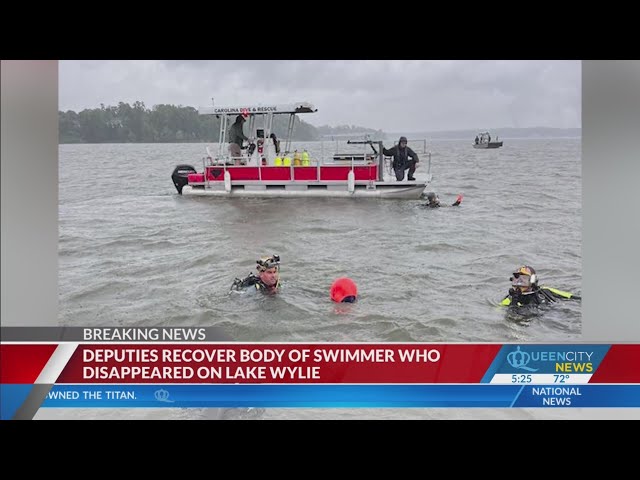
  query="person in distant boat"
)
[
  {"x": 434, "y": 201},
  {"x": 477, "y": 140},
  {"x": 488, "y": 138},
  {"x": 403, "y": 158},
  {"x": 267, "y": 280},
  {"x": 236, "y": 137},
  {"x": 526, "y": 291}
]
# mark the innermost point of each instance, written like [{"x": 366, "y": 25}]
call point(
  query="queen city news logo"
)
[
  {"x": 162, "y": 395},
  {"x": 551, "y": 361},
  {"x": 520, "y": 360}
]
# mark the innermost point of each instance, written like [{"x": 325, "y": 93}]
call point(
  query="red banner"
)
[{"x": 274, "y": 363}]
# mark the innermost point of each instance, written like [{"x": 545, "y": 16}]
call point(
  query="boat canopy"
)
[
  {"x": 290, "y": 108},
  {"x": 484, "y": 137}
]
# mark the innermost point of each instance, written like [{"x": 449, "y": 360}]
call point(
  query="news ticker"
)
[{"x": 197, "y": 367}]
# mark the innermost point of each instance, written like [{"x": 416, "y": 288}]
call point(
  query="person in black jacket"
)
[
  {"x": 236, "y": 138},
  {"x": 403, "y": 158}
]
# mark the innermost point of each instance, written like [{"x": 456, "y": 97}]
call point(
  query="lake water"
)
[{"x": 133, "y": 252}]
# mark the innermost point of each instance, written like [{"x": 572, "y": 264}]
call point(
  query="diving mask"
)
[{"x": 266, "y": 263}]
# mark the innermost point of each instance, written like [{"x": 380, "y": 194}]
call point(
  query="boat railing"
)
[
  {"x": 388, "y": 163},
  {"x": 419, "y": 146},
  {"x": 354, "y": 154}
]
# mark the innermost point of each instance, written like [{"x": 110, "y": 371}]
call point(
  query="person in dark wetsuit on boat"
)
[
  {"x": 403, "y": 158},
  {"x": 236, "y": 138},
  {"x": 267, "y": 280},
  {"x": 276, "y": 143},
  {"x": 526, "y": 291}
]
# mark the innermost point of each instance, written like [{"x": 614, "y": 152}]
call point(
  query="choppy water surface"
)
[{"x": 133, "y": 252}]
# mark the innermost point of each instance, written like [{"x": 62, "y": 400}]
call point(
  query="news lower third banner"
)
[{"x": 199, "y": 367}]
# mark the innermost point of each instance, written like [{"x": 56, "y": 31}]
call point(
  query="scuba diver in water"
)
[
  {"x": 267, "y": 280},
  {"x": 525, "y": 290},
  {"x": 434, "y": 201}
]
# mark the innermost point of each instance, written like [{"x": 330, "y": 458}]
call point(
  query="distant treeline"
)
[
  {"x": 352, "y": 131},
  {"x": 166, "y": 124}
]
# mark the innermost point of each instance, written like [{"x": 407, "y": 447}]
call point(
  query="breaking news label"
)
[{"x": 77, "y": 367}]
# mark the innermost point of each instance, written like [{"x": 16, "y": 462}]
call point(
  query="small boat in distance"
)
[{"x": 483, "y": 140}]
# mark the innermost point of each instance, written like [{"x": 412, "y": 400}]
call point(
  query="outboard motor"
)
[{"x": 180, "y": 176}]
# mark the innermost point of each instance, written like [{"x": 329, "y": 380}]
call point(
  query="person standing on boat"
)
[
  {"x": 276, "y": 143},
  {"x": 267, "y": 280},
  {"x": 477, "y": 140},
  {"x": 403, "y": 158},
  {"x": 236, "y": 137},
  {"x": 526, "y": 291}
]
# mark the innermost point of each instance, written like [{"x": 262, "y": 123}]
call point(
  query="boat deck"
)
[
  {"x": 299, "y": 181},
  {"x": 405, "y": 189}
]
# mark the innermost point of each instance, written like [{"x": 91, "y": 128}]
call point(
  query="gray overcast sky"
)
[{"x": 392, "y": 95}]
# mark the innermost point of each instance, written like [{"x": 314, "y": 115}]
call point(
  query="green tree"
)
[{"x": 135, "y": 123}]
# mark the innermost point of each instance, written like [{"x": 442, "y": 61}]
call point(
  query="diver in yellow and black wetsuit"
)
[
  {"x": 267, "y": 280},
  {"x": 526, "y": 291}
]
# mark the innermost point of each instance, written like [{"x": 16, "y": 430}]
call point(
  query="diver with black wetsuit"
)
[
  {"x": 526, "y": 291},
  {"x": 267, "y": 280}
]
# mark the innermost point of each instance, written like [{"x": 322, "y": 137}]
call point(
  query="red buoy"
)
[{"x": 344, "y": 289}]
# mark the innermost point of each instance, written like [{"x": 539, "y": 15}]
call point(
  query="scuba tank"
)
[{"x": 305, "y": 159}]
